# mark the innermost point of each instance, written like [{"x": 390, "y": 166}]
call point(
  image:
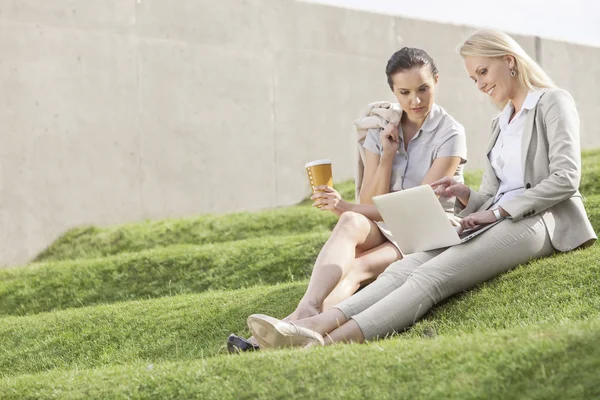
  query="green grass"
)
[
  {"x": 590, "y": 173},
  {"x": 182, "y": 327},
  {"x": 142, "y": 311},
  {"x": 158, "y": 272},
  {"x": 562, "y": 287},
  {"x": 94, "y": 242},
  {"x": 558, "y": 361},
  {"x": 167, "y": 271}
]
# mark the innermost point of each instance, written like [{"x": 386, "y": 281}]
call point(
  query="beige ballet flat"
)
[{"x": 272, "y": 333}]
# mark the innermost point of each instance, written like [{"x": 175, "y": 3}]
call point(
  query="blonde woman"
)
[
  {"x": 531, "y": 179},
  {"x": 425, "y": 146}
]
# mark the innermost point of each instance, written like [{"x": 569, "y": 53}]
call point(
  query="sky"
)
[{"x": 575, "y": 21}]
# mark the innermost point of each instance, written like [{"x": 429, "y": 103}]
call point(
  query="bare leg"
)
[
  {"x": 356, "y": 253},
  {"x": 365, "y": 269},
  {"x": 325, "y": 322},
  {"x": 353, "y": 232},
  {"x": 334, "y": 327}
]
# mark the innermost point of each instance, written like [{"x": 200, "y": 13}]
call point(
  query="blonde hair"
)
[{"x": 490, "y": 43}]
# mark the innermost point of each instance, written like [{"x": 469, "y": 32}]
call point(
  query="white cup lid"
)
[{"x": 317, "y": 162}]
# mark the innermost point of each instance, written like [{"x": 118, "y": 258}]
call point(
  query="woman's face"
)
[
  {"x": 492, "y": 76},
  {"x": 415, "y": 88}
]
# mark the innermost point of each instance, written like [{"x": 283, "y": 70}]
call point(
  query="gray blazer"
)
[{"x": 551, "y": 156}]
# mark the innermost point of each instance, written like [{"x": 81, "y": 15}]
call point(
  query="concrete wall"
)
[{"x": 121, "y": 110}]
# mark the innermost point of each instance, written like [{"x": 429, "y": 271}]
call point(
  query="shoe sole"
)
[{"x": 265, "y": 331}]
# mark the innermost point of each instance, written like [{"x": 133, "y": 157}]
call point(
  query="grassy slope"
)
[
  {"x": 92, "y": 242},
  {"x": 166, "y": 271},
  {"x": 534, "y": 363},
  {"x": 484, "y": 343},
  {"x": 563, "y": 287},
  {"x": 158, "y": 272},
  {"x": 181, "y": 327},
  {"x": 590, "y": 174}
]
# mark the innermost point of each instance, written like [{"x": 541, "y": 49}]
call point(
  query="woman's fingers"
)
[
  {"x": 323, "y": 205},
  {"x": 318, "y": 195},
  {"x": 439, "y": 190},
  {"x": 468, "y": 222},
  {"x": 390, "y": 132},
  {"x": 324, "y": 201},
  {"x": 324, "y": 188},
  {"x": 458, "y": 189},
  {"x": 444, "y": 181},
  {"x": 318, "y": 203},
  {"x": 442, "y": 191},
  {"x": 323, "y": 196}
]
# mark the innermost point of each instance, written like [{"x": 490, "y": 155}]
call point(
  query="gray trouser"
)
[{"x": 410, "y": 287}]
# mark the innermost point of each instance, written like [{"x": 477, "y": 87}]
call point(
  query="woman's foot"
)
[
  {"x": 273, "y": 333},
  {"x": 303, "y": 311}
]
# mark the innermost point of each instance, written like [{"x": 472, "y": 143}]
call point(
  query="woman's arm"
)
[
  {"x": 562, "y": 128},
  {"x": 376, "y": 177},
  {"x": 443, "y": 166},
  {"x": 381, "y": 148},
  {"x": 473, "y": 199},
  {"x": 327, "y": 198}
]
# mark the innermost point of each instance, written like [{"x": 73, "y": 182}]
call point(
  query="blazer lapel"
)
[
  {"x": 494, "y": 183},
  {"x": 495, "y": 133}
]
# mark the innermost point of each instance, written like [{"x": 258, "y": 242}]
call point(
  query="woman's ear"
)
[
  {"x": 511, "y": 61},
  {"x": 436, "y": 78}
]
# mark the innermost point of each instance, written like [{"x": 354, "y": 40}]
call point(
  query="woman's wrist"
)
[
  {"x": 387, "y": 158},
  {"x": 464, "y": 200},
  {"x": 344, "y": 206},
  {"x": 503, "y": 212}
]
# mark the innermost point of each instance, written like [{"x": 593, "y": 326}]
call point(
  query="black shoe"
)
[{"x": 236, "y": 344}]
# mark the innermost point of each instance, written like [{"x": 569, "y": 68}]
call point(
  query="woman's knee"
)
[
  {"x": 436, "y": 283},
  {"x": 397, "y": 272},
  {"x": 353, "y": 224}
]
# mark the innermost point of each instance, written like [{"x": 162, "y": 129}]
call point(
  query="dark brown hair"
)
[{"x": 407, "y": 58}]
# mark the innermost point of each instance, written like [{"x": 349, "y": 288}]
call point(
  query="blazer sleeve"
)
[
  {"x": 561, "y": 122},
  {"x": 478, "y": 198}
]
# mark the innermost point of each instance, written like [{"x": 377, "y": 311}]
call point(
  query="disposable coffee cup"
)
[{"x": 319, "y": 173}]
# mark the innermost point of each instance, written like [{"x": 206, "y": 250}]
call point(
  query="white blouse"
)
[{"x": 505, "y": 156}]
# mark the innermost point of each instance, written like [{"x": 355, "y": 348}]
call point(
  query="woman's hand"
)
[
  {"x": 388, "y": 137},
  {"x": 475, "y": 219},
  {"x": 478, "y": 218},
  {"x": 327, "y": 198},
  {"x": 448, "y": 187}
]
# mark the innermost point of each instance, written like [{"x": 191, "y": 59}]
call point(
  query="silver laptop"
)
[{"x": 418, "y": 221}]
